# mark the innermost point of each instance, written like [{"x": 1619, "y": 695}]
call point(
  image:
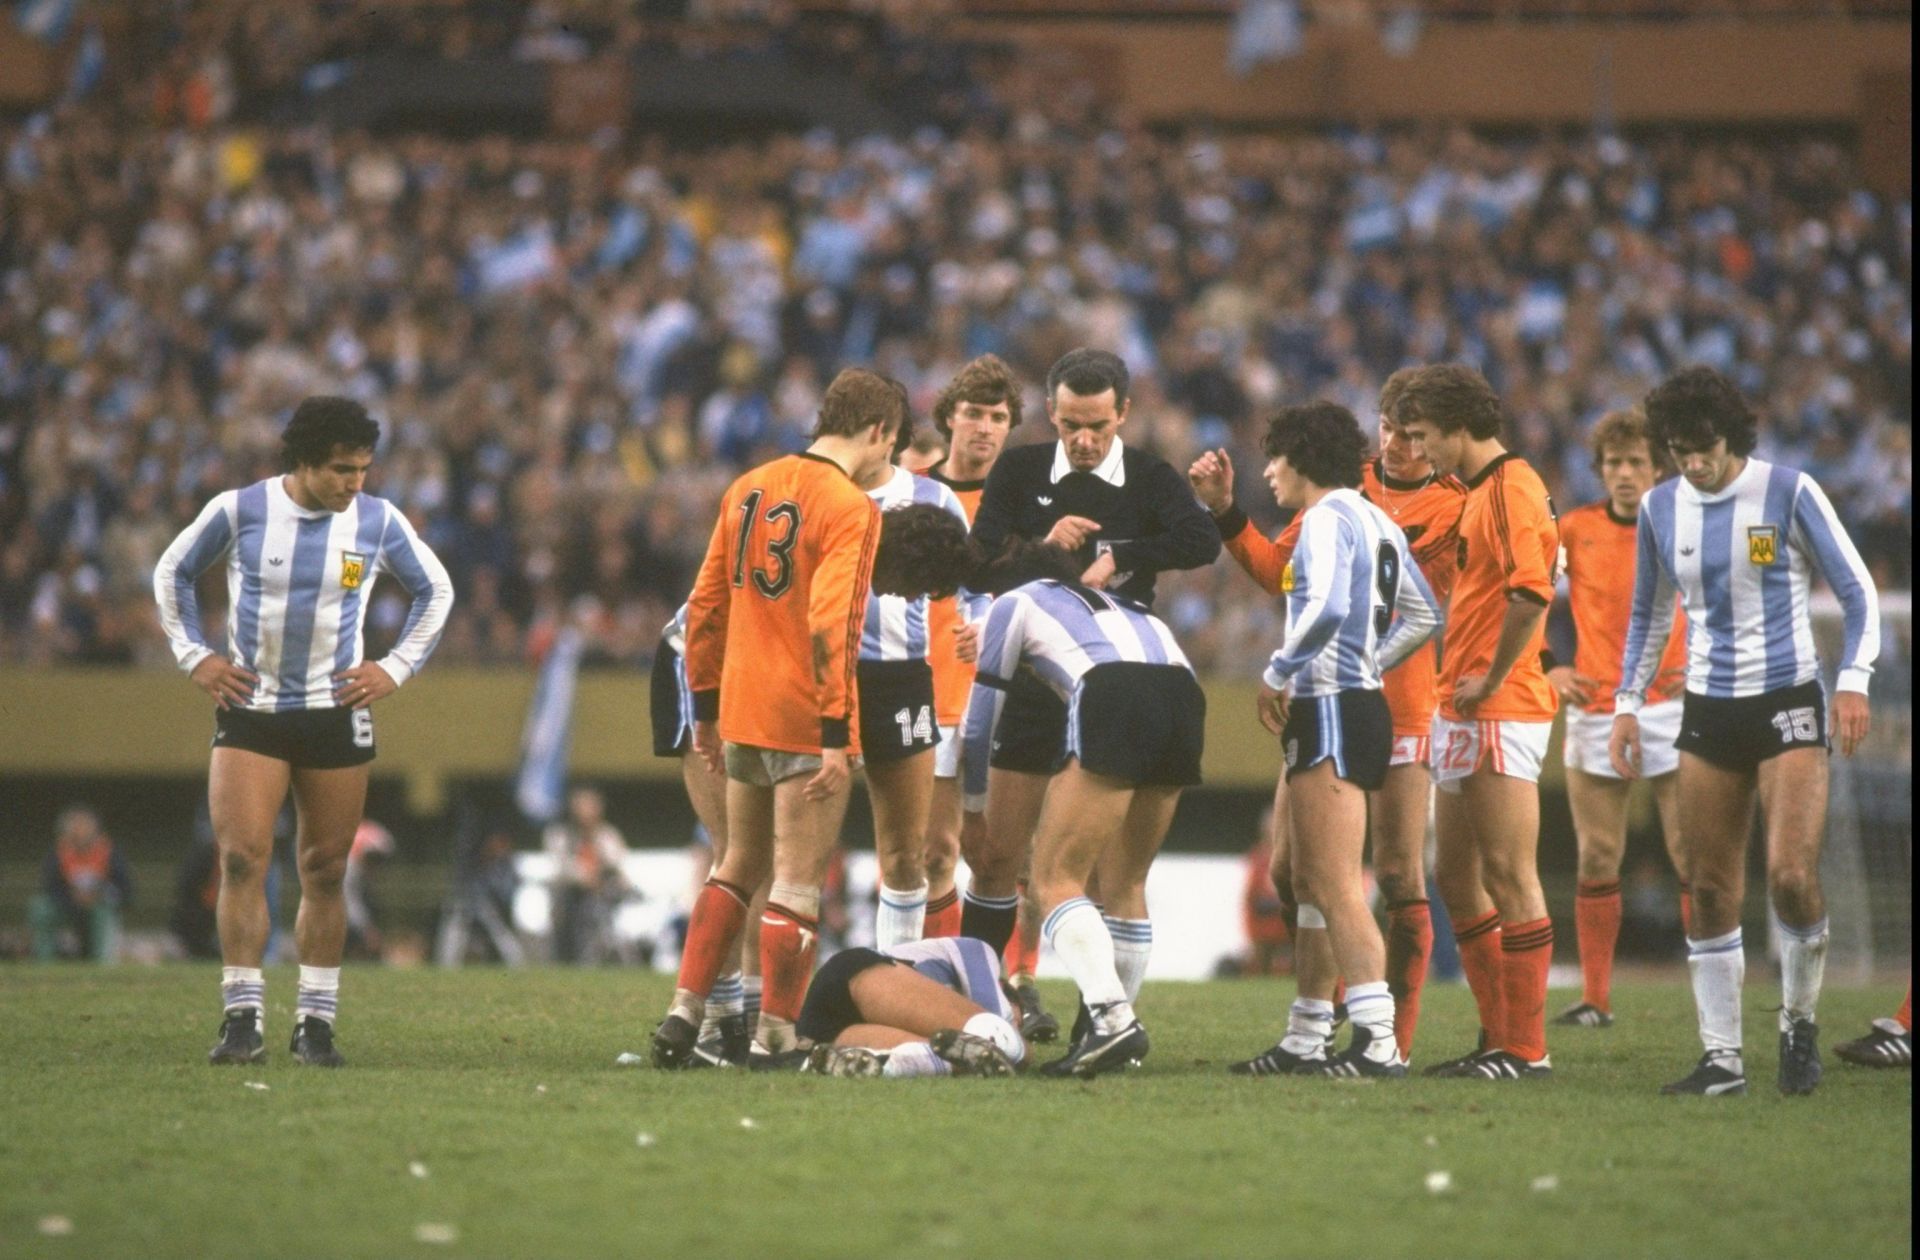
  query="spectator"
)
[
  {"x": 588, "y": 853},
  {"x": 372, "y": 847},
  {"x": 84, "y": 886}
]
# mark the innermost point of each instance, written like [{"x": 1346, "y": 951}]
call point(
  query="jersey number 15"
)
[{"x": 783, "y": 524}]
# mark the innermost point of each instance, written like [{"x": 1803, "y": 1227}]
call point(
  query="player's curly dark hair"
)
[
  {"x": 1451, "y": 397},
  {"x": 1321, "y": 441},
  {"x": 1024, "y": 560},
  {"x": 924, "y": 550},
  {"x": 322, "y": 424},
  {"x": 1696, "y": 407},
  {"x": 984, "y": 382}
]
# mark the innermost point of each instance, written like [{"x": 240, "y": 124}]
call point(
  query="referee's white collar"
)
[{"x": 1112, "y": 469}]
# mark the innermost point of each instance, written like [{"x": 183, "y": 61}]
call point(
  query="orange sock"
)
[
  {"x": 1018, "y": 960},
  {"x": 713, "y": 934},
  {"x": 1339, "y": 992},
  {"x": 1686, "y": 907},
  {"x": 1409, "y": 945},
  {"x": 1906, "y": 1011},
  {"x": 1526, "y": 951},
  {"x": 1596, "y": 926},
  {"x": 787, "y": 944},
  {"x": 1479, "y": 942},
  {"x": 943, "y": 915}
]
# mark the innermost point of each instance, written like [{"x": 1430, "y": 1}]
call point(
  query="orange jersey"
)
[
  {"x": 1508, "y": 545},
  {"x": 1597, "y": 552},
  {"x": 952, "y": 677},
  {"x": 774, "y": 621},
  {"x": 1428, "y": 513}
]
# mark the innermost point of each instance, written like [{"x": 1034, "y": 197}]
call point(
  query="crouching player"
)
[
  {"x": 923, "y": 1008},
  {"x": 1135, "y": 726}
]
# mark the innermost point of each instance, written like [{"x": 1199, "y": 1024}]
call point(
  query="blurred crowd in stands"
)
[{"x": 574, "y": 345}]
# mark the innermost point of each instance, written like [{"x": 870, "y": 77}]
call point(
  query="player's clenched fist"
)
[{"x": 1212, "y": 479}]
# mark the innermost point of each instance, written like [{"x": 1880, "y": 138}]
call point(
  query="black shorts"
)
[
  {"x": 1740, "y": 732},
  {"x": 1353, "y": 729},
  {"x": 896, "y": 710},
  {"x": 1032, "y": 734},
  {"x": 1144, "y": 724},
  {"x": 672, "y": 704},
  {"x": 829, "y": 1009},
  {"x": 306, "y": 739}
]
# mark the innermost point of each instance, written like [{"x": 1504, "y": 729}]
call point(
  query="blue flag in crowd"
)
[
  {"x": 46, "y": 19},
  {"x": 548, "y": 738}
]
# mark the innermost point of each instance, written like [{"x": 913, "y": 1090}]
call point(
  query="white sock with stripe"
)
[
  {"x": 1309, "y": 1025},
  {"x": 728, "y": 997},
  {"x": 915, "y": 1058},
  {"x": 1132, "y": 946},
  {"x": 1719, "y": 967},
  {"x": 319, "y": 994},
  {"x": 244, "y": 988},
  {"x": 901, "y": 918},
  {"x": 1079, "y": 939},
  {"x": 1370, "y": 1006},
  {"x": 1803, "y": 969}
]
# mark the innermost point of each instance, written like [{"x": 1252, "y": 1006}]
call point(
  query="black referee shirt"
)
[{"x": 1150, "y": 522}]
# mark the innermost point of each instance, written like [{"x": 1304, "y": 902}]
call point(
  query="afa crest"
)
[
  {"x": 353, "y": 570},
  {"x": 1763, "y": 544},
  {"x": 1286, "y": 579}
]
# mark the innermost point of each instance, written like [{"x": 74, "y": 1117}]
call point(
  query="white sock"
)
[
  {"x": 689, "y": 1006},
  {"x": 1132, "y": 946},
  {"x": 727, "y": 998},
  {"x": 775, "y": 1035},
  {"x": 999, "y": 1032},
  {"x": 801, "y": 899},
  {"x": 1803, "y": 967},
  {"x": 319, "y": 994},
  {"x": 915, "y": 1058},
  {"x": 1370, "y": 1006},
  {"x": 1310, "y": 919},
  {"x": 1079, "y": 939},
  {"x": 242, "y": 988},
  {"x": 1309, "y": 1024},
  {"x": 901, "y": 918},
  {"x": 1719, "y": 968}
]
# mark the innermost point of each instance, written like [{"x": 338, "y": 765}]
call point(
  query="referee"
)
[{"x": 1127, "y": 515}]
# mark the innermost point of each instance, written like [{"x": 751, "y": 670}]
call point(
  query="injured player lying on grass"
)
[{"x": 925, "y": 1008}]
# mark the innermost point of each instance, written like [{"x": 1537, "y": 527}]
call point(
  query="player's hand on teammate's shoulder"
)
[
  {"x": 832, "y": 777},
  {"x": 230, "y": 685},
  {"x": 362, "y": 685},
  {"x": 1212, "y": 479},
  {"x": 1072, "y": 532},
  {"x": 1623, "y": 746},
  {"x": 1851, "y": 720},
  {"x": 1099, "y": 573}
]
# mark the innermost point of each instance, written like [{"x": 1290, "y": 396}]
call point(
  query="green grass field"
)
[{"x": 485, "y": 1106}]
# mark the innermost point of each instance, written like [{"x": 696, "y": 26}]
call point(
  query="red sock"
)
[
  {"x": 943, "y": 916},
  {"x": 713, "y": 935},
  {"x": 1339, "y": 992},
  {"x": 1018, "y": 961},
  {"x": 787, "y": 944},
  {"x": 1686, "y": 907},
  {"x": 1409, "y": 945},
  {"x": 1596, "y": 926},
  {"x": 1479, "y": 942},
  {"x": 1906, "y": 1011},
  {"x": 1526, "y": 951}
]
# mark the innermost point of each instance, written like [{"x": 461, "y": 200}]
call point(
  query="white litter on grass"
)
[
  {"x": 1541, "y": 1185},
  {"x": 434, "y": 1232},
  {"x": 55, "y": 1226},
  {"x": 644, "y": 1140},
  {"x": 628, "y": 1058},
  {"x": 1432, "y": 1140},
  {"x": 259, "y": 1085},
  {"x": 539, "y": 1089},
  {"x": 418, "y": 1169},
  {"x": 1439, "y": 1182},
  {"x": 748, "y": 1122}
]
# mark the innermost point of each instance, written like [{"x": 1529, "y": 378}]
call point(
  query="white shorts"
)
[
  {"x": 1504, "y": 746},
  {"x": 1585, "y": 748},
  {"x": 946, "y": 753},
  {"x": 1408, "y": 750}
]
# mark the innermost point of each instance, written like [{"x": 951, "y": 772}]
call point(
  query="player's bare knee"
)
[
  {"x": 322, "y": 873},
  {"x": 1794, "y": 888},
  {"x": 1599, "y": 863},
  {"x": 240, "y": 868},
  {"x": 902, "y": 868},
  {"x": 1400, "y": 881}
]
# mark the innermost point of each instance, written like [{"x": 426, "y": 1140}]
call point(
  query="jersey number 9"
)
[{"x": 1386, "y": 580}]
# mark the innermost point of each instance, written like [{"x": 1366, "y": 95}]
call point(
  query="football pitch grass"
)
[{"x": 482, "y": 1115}]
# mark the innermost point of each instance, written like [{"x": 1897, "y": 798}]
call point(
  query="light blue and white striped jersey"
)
[
  {"x": 297, "y": 586},
  {"x": 896, "y": 627},
  {"x": 1741, "y": 561},
  {"x": 1060, "y": 632},
  {"x": 1357, "y": 604}
]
